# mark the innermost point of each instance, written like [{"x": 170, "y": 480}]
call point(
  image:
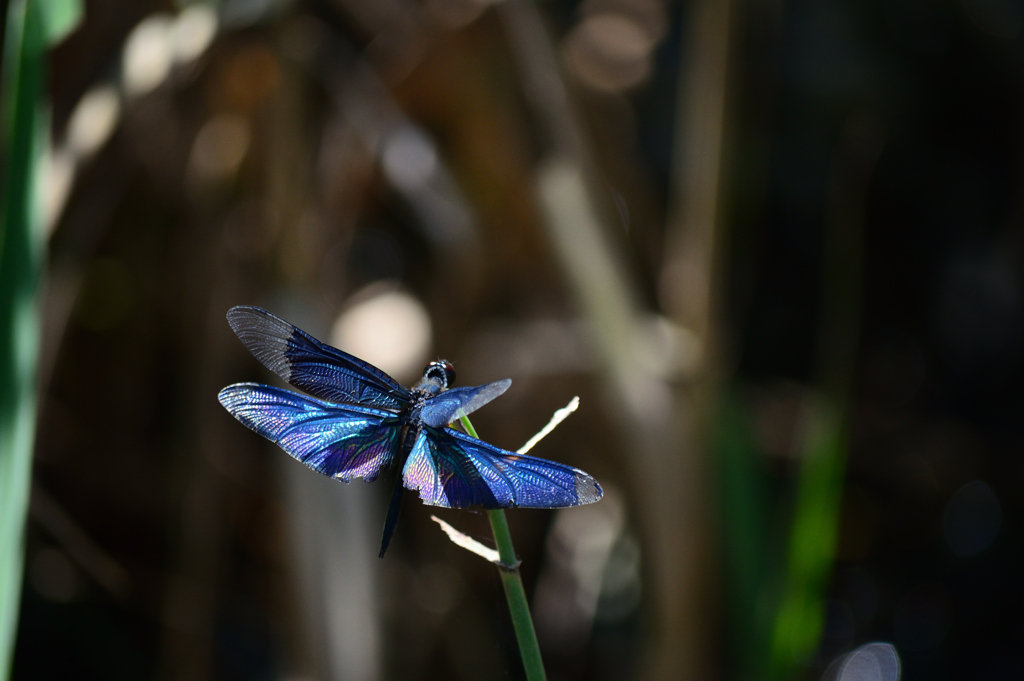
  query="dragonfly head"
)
[{"x": 440, "y": 373}]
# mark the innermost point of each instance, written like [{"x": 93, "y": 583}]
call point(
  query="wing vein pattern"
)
[
  {"x": 340, "y": 441},
  {"x": 452, "y": 469},
  {"x": 312, "y": 366}
]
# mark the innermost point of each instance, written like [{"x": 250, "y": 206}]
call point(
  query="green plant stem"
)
[
  {"x": 31, "y": 27},
  {"x": 20, "y": 250},
  {"x": 515, "y": 594},
  {"x": 800, "y": 619}
]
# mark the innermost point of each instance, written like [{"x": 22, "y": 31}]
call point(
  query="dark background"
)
[{"x": 866, "y": 267}]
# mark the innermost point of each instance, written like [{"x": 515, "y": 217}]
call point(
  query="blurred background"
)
[{"x": 774, "y": 247}]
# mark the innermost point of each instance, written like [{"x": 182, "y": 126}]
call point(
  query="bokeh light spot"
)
[
  {"x": 147, "y": 55},
  {"x": 609, "y": 52},
  {"x": 219, "y": 148},
  {"x": 409, "y": 159},
  {"x": 93, "y": 120},
  {"x": 871, "y": 662},
  {"x": 389, "y": 329},
  {"x": 192, "y": 33},
  {"x": 250, "y": 76}
]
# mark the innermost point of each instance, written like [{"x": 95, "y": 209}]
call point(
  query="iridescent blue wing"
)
[
  {"x": 342, "y": 442},
  {"x": 451, "y": 404},
  {"x": 454, "y": 470},
  {"x": 312, "y": 366}
]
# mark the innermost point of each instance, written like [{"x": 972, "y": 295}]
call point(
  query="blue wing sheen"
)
[
  {"x": 312, "y": 366},
  {"x": 454, "y": 403},
  {"x": 342, "y": 442},
  {"x": 453, "y": 470}
]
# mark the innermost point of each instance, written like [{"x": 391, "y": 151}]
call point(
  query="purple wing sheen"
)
[
  {"x": 454, "y": 470},
  {"x": 312, "y": 366},
  {"x": 342, "y": 442},
  {"x": 451, "y": 404}
]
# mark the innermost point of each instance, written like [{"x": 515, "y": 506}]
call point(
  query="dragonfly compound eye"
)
[{"x": 443, "y": 371}]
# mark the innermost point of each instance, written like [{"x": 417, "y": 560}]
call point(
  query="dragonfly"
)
[{"x": 355, "y": 421}]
